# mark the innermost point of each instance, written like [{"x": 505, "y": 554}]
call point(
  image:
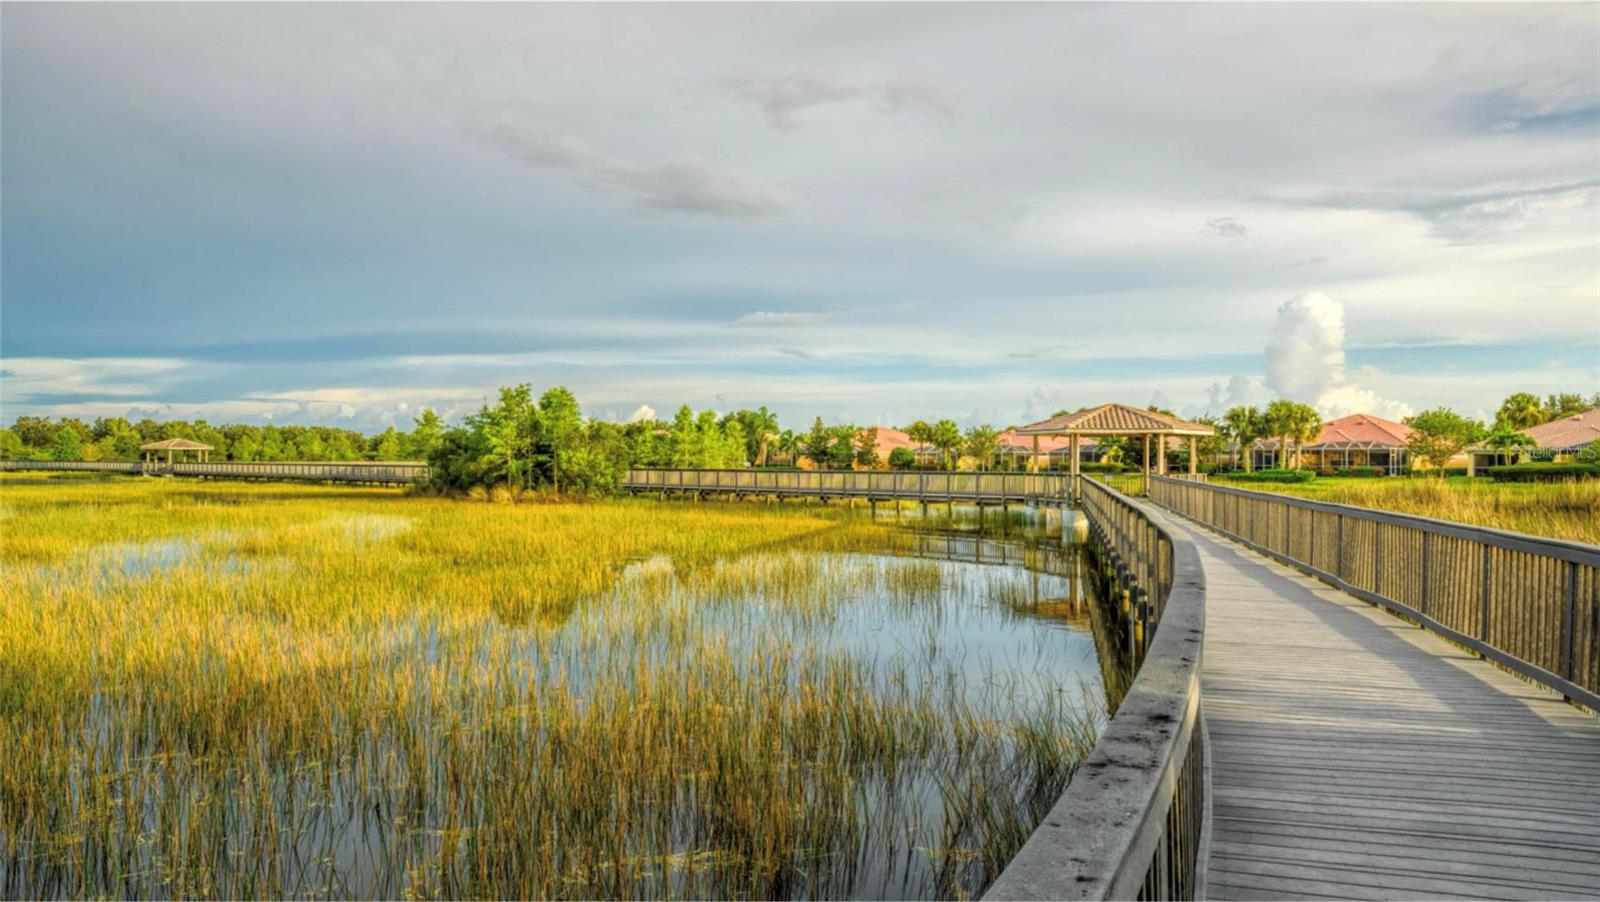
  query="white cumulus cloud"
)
[{"x": 1305, "y": 360}]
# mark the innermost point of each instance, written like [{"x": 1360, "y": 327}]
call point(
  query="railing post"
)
[
  {"x": 1569, "y": 609},
  {"x": 1483, "y": 630},
  {"x": 1426, "y": 566},
  {"x": 1338, "y": 538}
]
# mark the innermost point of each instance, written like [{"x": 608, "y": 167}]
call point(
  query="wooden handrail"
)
[
  {"x": 1133, "y": 821},
  {"x": 1529, "y": 603}
]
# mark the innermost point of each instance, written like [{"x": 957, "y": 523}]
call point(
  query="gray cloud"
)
[
  {"x": 784, "y": 96},
  {"x": 1226, "y": 227},
  {"x": 1461, "y": 216},
  {"x": 796, "y": 352},
  {"x": 690, "y": 186},
  {"x": 909, "y": 93}
]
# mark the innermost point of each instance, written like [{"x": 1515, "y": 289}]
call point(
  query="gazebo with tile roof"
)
[
  {"x": 175, "y": 445},
  {"x": 1121, "y": 420}
]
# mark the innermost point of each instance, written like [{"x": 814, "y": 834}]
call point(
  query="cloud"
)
[
  {"x": 908, "y": 93},
  {"x": 784, "y": 96},
  {"x": 642, "y": 413},
  {"x": 1237, "y": 393},
  {"x": 27, "y": 378},
  {"x": 1045, "y": 353},
  {"x": 796, "y": 352},
  {"x": 1305, "y": 359},
  {"x": 689, "y": 186},
  {"x": 1227, "y": 227},
  {"x": 1466, "y": 216},
  {"x": 781, "y": 97},
  {"x": 774, "y": 318}
]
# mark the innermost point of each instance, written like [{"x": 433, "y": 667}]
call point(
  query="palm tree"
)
[
  {"x": 1244, "y": 425},
  {"x": 1287, "y": 421},
  {"x": 1506, "y": 441},
  {"x": 764, "y": 423},
  {"x": 1307, "y": 425},
  {"x": 1520, "y": 411},
  {"x": 947, "y": 438},
  {"x": 789, "y": 444}
]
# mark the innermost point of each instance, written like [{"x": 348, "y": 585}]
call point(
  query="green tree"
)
[
  {"x": 67, "y": 444},
  {"x": 1246, "y": 426},
  {"x": 902, "y": 459},
  {"x": 1506, "y": 441},
  {"x": 818, "y": 444},
  {"x": 763, "y": 427},
  {"x": 1440, "y": 434},
  {"x": 867, "y": 448},
  {"x": 427, "y": 430},
  {"x": 388, "y": 445},
  {"x": 34, "y": 432},
  {"x": 560, "y": 432},
  {"x": 1564, "y": 405},
  {"x": 789, "y": 443},
  {"x": 842, "y": 446},
  {"x": 683, "y": 438},
  {"x": 508, "y": 431},
  {"x": 981, "y": 443},
  {"x": 946, "y": 436},
  {"x": 1520, "y": 411},
  {"x": 11, "y": 447}
]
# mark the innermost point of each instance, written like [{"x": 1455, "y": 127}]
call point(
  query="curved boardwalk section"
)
[{"x": 1356, "y": 756}]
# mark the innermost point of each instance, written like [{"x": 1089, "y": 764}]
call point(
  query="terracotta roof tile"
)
[
  {"x": 1575, "y": 431},
  {"x": 1361, "y": 429}
]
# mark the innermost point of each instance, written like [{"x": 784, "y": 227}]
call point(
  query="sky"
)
[{"x": 340, "y": 214}]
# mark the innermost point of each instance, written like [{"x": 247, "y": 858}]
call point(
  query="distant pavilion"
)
[
  {"x": 1117, "y": 420},
  {"x": 178, "y": 446}
]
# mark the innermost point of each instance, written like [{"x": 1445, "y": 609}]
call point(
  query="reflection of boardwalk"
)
[{"x": 1356, "y": 756}]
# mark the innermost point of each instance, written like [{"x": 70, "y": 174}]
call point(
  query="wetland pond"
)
[{"x": 827, "y": 705}]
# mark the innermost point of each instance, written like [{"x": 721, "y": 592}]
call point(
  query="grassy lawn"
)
[
  {"x": 236, "y": 690},
  {"x": 1568, "y": 510}
]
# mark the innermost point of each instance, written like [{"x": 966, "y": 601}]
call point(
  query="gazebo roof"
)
[
  {"x": 176, "y": 444},
  {"x": 1115, "y": 419}
]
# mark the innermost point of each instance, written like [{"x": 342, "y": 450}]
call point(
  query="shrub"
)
[
  {"x": 1356, "y": 472},
  {"x": 1434, "y": 471},
  {"x": 1097, "y": 467},
  {"x": 902, "y": 459},
  {"x": 1544, "y": 472},
  {"x": 1274, "y": 476}
]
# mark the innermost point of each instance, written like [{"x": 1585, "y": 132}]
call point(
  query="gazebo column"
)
[
  {"x": 1193, "y": 461},
  {"x": 1161, "y": 455},
  {"x": 1072, "y": 449},
  {"x": 1147, "y": 455},
  {"x": 1033, "y": 461}
]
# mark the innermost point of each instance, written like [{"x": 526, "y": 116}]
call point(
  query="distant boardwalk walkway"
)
[{"x": 1357, "y": 756}]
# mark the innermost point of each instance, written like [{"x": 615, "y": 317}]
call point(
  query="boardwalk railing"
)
[
  {"x": 91, "y": 466},
  {"x": 392, "y": 473},
  {"x": 1132, "y": 821},
  {"x": 876, "y": 484},
  {"x": 1528, "y": 603}
]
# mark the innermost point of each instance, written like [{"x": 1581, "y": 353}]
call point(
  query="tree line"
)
[
  {"x": 118, "y": 439},
  {"x": 546, "y": 443}
]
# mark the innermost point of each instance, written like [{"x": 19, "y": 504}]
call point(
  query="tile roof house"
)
[
  {"x": 1567, "y": 434},
  {"x": 1354, "y": 441}
]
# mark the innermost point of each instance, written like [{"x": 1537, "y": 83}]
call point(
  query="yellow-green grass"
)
[
  {"x": 212, "y": 689},
  {"x": 1568, "y": 510}
]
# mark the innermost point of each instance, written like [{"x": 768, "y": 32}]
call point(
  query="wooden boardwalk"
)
[{"x": 1355, "y": 756}]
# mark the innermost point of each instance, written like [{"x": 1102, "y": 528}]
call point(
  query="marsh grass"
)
[
  {"x": 1568, "y": 510},
  {"x": 227, "y": 690}
]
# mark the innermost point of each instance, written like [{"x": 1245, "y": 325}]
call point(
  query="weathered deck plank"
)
[{"x": 1355, "y": 756}]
